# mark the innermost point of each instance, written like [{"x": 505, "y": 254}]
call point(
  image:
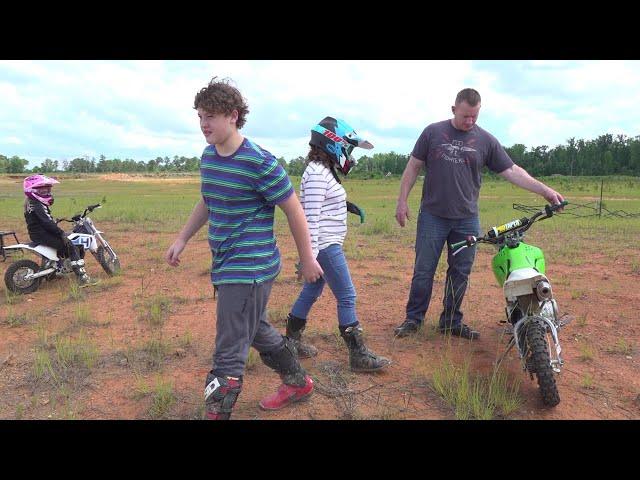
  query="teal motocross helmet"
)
[{"x": 337, "y": 138}]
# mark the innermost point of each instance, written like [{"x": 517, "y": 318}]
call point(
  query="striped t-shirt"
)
[
  {"x": 240, "y": 192},
  {"x": 325, "y": 205}
]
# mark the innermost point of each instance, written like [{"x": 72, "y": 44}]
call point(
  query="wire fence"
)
[{"x": 582, "y": 210}]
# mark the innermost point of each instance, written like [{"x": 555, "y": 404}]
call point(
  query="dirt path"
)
[{"x": 601, "y": 379}]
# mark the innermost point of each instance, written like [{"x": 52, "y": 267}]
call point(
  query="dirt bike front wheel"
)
[
  {"x": 14, "y": 277},
  {"x": 110, "y": 264},
  {"x": 539, "y": 361}
]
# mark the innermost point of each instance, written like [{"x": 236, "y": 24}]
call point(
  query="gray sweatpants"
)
[{"x": 241, "y": 323}]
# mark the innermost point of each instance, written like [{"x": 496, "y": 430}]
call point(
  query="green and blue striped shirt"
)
[{"x": 240, "y": 192}]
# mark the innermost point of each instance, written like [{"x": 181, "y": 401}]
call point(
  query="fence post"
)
[{"x": 600, "y": 206}]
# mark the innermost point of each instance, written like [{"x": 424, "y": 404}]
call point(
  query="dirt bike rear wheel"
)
[
  {"x": 14, "y": 277},
  {"x": 109, "y": 264},
  {"x": 538, "y": 361}
]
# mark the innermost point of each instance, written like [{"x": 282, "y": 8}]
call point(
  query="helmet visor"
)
[{"x": 43, "y": 191}]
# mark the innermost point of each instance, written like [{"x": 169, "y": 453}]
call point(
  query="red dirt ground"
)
[{"x": 604, "y": 306}]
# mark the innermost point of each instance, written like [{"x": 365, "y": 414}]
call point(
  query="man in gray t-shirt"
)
[{"x": 453, "y": 153}]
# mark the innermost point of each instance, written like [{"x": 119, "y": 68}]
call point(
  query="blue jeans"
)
[
  {"x": 336, "y": 274},
  {"x": 432, "y": 233}
]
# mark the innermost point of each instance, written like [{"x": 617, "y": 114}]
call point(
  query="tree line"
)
[{"x": 606, "y": 155}]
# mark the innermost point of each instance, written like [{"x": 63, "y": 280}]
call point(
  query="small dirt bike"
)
[
  {"x": 531, "y": 309},
  {"x": 24, "y": 276}
]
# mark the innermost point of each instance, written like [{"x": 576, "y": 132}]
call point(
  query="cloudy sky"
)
[{"x": 143, "y": 109}]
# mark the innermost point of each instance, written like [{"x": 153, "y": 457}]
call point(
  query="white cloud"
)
[{"x": 143, "y": 109}]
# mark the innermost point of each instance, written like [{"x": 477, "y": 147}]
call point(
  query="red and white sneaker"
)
[{"x": 287, "y": 394}]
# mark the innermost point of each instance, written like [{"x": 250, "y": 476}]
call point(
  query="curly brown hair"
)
[{"x": 222, "y": 97}]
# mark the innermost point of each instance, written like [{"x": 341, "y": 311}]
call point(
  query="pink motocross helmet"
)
[{"x": 38, "y": 187}]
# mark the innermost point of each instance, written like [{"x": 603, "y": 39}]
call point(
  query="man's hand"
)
[
  {"x": 553, "y": 197},
  {"x": 311, "y": 271},
  {"x": 402, "y": 213},
  {"x": 173, "y": 253}
]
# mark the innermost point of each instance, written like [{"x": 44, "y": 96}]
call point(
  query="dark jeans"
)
[{"x": 432, "y": 233}]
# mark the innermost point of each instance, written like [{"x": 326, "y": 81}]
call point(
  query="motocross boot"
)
[
  {"x": 220, "y": 395},
  {"x": 83, "y": 278},
  {"x": 361, "y": 359},
  {"x": 295, "y": 327}
]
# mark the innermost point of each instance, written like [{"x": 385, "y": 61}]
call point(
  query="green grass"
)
[
  {"x": 185, "y": 340},
  {"x": 587, "y": 381},
  {"x": 155, "y": 310},
  {"x": 587, "y": 352},
  {"x": 71, "y": 291},
  {"x": 156, "y": 349},
  {"x": 75, "y": 352},
  {"x": 42, "y": 364},
  {"x": 277, "y": 315},
  {"x": 60, "y": 357},
  {"x": 162, "y": 399},
  {"x": 83, "y": 315},
  {"x": 576, "y": 294},
  {"x": 582, "y": 320},
  {"x": 108, "y": 283},
  {"x": 14, "y": 319},
  {"x": 621, "y": 347},
  {"x": 11, "y": 298},
  {"x": 478, "y": 396},
  {"x": 252, "y": 360},
  {"x": 150, "y": 206}
]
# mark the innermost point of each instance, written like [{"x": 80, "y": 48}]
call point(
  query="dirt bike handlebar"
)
[
  {"x": 77, "y": 217},
  {"x": 522, "y": 224}
]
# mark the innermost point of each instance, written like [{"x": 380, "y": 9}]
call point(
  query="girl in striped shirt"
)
[{"x": 325, "y": 205}]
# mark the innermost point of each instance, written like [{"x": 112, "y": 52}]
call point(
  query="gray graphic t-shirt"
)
[{"x": 453, "y": 160}]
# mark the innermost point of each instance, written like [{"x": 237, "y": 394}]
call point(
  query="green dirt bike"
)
[{"x": 531, "y": 309}]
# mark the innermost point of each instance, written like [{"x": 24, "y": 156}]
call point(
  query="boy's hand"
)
[
  {"x": 311, "y": 271},
  {"x": 173, "y": 253}
]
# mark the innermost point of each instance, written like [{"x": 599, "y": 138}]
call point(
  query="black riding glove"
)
[{"x": 353, "y": 208}]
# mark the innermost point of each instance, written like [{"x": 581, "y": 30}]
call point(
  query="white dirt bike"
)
[{"x": 24, "y": 276}]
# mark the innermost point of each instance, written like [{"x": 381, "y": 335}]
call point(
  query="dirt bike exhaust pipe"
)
[
  {"x": 42, "y": 273},
  {"x": 543, "y": 290}
]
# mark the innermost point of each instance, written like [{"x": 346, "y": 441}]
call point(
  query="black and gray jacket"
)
[{"x": 40, "y": 223}]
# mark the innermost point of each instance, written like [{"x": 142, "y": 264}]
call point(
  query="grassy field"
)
[
  {"x": 149, "y": 205},
  {"x": 68, "y": 343},
  {"x": 165, "y": 204}
]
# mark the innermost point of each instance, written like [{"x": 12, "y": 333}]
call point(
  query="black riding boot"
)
[
  {"x": 361, "y": 359},
  {"x": 295, "y": 327}
]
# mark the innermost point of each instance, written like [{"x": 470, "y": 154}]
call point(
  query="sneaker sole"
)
[{"x": 303, "y": 398}]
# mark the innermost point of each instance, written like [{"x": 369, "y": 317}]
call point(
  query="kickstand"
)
[{"x": 509, "y": 347}]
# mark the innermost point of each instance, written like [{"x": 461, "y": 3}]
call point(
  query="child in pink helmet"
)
[{"x": 43, "y": 228}]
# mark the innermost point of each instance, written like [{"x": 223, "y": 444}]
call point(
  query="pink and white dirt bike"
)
[{"x": 24, "y": 276}]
